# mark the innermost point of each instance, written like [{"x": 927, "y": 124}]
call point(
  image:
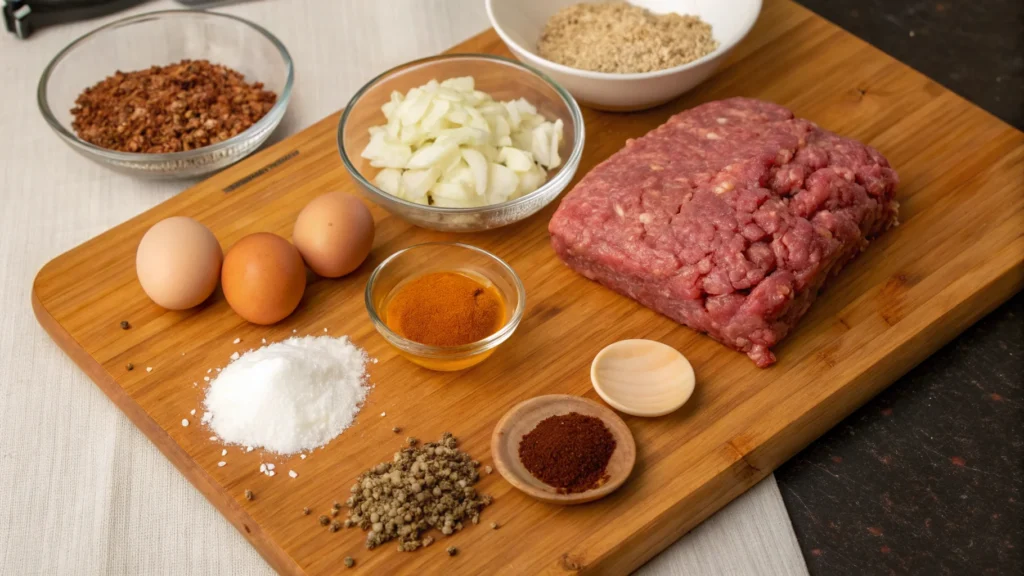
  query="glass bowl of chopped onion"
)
[
  {"x": 83, "y": 77},
  {"x": 462, "y": 142}
]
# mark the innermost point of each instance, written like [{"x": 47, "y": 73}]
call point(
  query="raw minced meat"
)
[{"x": 728, "y": 219}]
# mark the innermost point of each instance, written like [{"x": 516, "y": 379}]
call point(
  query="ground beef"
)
[{"x": 728, "y": 219}]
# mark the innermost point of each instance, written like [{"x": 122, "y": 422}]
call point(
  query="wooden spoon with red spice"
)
[{"x": 525, "y": 417}]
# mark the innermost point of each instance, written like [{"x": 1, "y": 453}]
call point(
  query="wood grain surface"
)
[{"x": 958, "y": 253}]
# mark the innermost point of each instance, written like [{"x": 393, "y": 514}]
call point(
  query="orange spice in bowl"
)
[
  {"x": 445, "y": 309},
  {"x": 445, "y": 306}
]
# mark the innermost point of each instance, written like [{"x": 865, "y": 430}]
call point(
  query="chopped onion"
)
[
  {"x": 449, "y": 144},
  {"x": 478, "y": 165},
  {"x": 416, "y": 183}
]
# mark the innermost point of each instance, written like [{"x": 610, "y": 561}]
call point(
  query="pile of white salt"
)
[{"x": 290, "y": 396}]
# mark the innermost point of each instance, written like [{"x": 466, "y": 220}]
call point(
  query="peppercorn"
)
[
  {"x": 422, "y": 488},
  {"x": 349, "y": 562},
  {"x": 452, "y": 550},
  {"x": 305, "y": 511},
  {"x": 125, "y": 325},
  {"x": 324, "y": 520},
  {"x": 129, "y": 366},
  {"x": 396, "y": 429},
  {"x": 248, "y": 495},
  {"x": 335, "y": 526}
]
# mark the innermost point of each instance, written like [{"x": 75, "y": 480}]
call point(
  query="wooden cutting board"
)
[{"x": 957, "y": 255}]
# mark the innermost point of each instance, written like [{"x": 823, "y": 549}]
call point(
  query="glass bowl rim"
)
[
  {"x": 446, "y": 352},
  {"x": 139, "y": 157},
  {"x": 554, "y": 181}
]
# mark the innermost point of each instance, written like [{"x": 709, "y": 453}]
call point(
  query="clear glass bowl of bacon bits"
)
[
  {"x": 501, "y": 82},
  {"x": 166, "y": 95},
  {"x": 445, "y": 306}
]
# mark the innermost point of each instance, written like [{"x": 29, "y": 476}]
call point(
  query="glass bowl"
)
[
  {"x": 420, "y": 259},
  {"x": 503, "y": 79},
  {"x": 160, "y": 38}
]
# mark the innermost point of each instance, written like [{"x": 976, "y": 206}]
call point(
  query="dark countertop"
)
[{"x": 927, "y": 477}]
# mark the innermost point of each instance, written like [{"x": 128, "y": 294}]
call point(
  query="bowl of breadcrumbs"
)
[{"x": 624, "y": 56}]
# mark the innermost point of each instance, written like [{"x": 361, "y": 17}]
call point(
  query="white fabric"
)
[{"x": 81, "y": 490}]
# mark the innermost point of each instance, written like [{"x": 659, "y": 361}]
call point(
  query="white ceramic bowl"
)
[{"x": 521, "y": 22}]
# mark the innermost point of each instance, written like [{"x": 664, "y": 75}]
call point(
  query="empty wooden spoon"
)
[{"x": 642, "y": 377}]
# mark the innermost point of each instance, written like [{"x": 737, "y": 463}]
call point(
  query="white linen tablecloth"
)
[{"x": 84, "y": 492}]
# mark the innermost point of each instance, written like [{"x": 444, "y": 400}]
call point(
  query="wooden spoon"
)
[
  {"x": 642, "y": 377},
  {"x": 524, "y": 417}
]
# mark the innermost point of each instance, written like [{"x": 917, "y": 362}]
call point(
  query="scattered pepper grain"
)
[
  {"x": 248, "y": 495},
  {"x": 129, "y": 366},
  {"x": 324, "y": 520},
  {"x": 306, "y": 511},
  {"x": 125, "y": 325},
  {"x": 349, "y": 562},
  {"x": 452, "y": 550},
  {"x": 620, "y": 38}
]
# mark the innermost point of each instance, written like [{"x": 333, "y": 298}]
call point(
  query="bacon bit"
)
[{"x": 173, "y": 108}]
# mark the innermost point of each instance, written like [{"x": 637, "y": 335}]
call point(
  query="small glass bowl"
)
[
  {"x": 160, "y": 38},
  {"x": 503, "y": 79},
  {"x": 422, "y": 259}
]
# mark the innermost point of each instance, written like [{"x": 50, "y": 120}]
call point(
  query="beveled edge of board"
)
[{"x": 276, "y": 556}]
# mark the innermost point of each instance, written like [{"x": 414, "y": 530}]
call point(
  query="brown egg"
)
[
  {"x": 263, "y": 278},
  {"x": 334, "y": 234},
  {"x": 178, "y": 263}
]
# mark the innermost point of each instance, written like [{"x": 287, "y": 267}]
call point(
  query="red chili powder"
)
[{"x": 569, "y": 452}]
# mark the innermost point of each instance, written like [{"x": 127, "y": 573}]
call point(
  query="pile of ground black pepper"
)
[
  {"x": 423, "y": 487},
  {"x": 173, "y": 108},
  {"x": 569, "y": 452}
]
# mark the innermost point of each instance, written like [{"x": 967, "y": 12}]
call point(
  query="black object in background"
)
[
  {"x": 927, "y": 478},
  {"x": 22, "y": 17}
]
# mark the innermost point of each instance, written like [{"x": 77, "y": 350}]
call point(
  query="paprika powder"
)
[
  {"x": 445, "y": 309},
  {"x": 569, "y": 452}
]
